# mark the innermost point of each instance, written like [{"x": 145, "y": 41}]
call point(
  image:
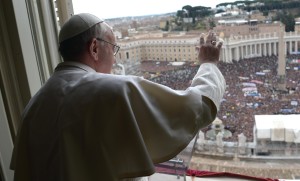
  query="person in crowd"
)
[{"x": 87, "y": 124}]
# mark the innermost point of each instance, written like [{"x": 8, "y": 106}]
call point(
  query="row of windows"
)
[
  {"x": 133, "y": 52},
  {"x": 157, "y": 54},
  {"x": 163, "y": 55},
  {"x": 164, "y": 59},
  {"x": 157, "y": 42},
  {"x": 156, "y": 45},
  {"x": 253, "y": 29},
  {"x": 161, "y": 49},
  {"x": 159, "y": 57}
]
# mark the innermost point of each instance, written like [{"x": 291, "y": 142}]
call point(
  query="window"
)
[{"x": 33, "y": 34}]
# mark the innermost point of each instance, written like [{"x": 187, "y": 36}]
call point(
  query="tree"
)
[
  {"x": 200, "y": 12},
  {"x": 167, "y": 26},
  {"x": 289, "y": 23},
  {"x": 212, "y": 24},
  {"x": 187, "y": 9},
  {"x": 287, "y": 19},
  {"x": 220, "y": 11},
  {"x": 180, "y": 13},
  {"x": 265, "y": 13}
]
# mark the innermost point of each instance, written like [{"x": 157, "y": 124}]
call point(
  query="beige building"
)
[
  {"x": 162, "y": 24},
  {"x": 267, "y": 44},
  {"x": 258, "y": 16},
  {"x": 263, "y": 41},
  {"x": 243, "y": 27},
  {"x": 158, "y": 48},
  {"x": 297, "y": 28}
]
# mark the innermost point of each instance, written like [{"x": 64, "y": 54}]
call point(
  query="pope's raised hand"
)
[{"x": 209, "y": 49}]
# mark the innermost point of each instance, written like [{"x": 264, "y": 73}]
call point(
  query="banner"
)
[
  {"x": 260, "y": 73},
  {"x": 257, "y": 81},
  {"x": 243, "y": 78},
  {"x": 253, "y": 94},
  {"x": 294, "y": 61},
  {"x": 294, "y": 103},
  {"x": 287, "y": 111},
  {"x": 248, "y": 84},
  {"x": 249, "y": 89}
]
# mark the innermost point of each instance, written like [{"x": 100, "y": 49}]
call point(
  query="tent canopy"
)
[{"x": 278, "y": 127}]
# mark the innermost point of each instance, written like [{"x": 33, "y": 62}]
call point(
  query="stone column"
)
[
  {"x": 275, "y": 48},
  {"x": 265, "y": 49},
  {"x": 237, "y": 53},
  {"x": 288, "y": 149},
  {"x": 255, "y": 49},
  {"x": 291, "y": 46},
  {"x": 226, "y": 50},
  {"x": 296, "y": 46},
  {"x": 242, "y": 52},
  {"x": 200, "y": 142},
  {"x": 281, "y": 61},
  {"x": 223, "y": 55},
  {"x": 220, "y": 144},
  {"x": 251, "y": 52},
  {"x": 230, "y": 54},
  {"x": 242, "y": 144},
  {"x": 226, "y": 54},
  {"x": 270, "y": 50}
]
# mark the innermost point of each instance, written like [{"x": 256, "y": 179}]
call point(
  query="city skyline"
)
[{"x": 119, "y": 8}]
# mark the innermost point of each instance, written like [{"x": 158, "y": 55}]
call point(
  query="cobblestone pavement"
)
[{"x": 279, "y": 169}]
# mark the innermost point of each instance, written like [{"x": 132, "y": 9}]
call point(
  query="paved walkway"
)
[
  {"x": 166, "y": 177},
  {"x": 279, "y": 169}
]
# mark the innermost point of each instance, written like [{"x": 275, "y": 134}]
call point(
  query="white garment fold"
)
[{"x": 89, "y": 126}]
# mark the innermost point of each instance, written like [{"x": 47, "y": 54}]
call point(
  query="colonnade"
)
[{"x": 240, "y": 47}]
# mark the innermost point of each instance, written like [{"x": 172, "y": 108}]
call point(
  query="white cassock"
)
[{"x": 87, "y": 126}]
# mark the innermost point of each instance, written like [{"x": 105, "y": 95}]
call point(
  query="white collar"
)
[{"x": 75, "y": 64}]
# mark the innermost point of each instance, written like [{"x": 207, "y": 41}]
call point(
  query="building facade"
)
[
  {"x": 158, "y": 49},
  {"x": 182, "y": 47}
]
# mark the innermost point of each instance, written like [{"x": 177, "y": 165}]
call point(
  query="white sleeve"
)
[{"x": 211, "y": 82}]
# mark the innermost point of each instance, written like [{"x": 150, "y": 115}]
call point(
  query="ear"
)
[{"x": 94, "y": 49}]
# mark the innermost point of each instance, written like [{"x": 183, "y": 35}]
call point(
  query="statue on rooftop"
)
[{"x": 216, "y": 128}]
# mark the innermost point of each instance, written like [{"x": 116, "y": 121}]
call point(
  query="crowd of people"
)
[
  {"x": 179, "y": 78},
  {"x": 253, "y": 88}
]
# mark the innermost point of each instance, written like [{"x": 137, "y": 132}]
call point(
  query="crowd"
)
[
  {"x": 179, "y": 78},
  {"x": 252, "y": 88}
]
